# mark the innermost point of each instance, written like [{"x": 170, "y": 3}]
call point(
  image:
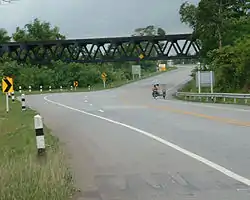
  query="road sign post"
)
[
  {"x": 211, "y": 78},
  {"x": 7, "y": 87},
  {"x": 104, "y": 78},
  {"x": 205, "y": 79},
  {"x": 7, "y": 103},
  {"x": 104, "y": 83},
  {"x": 75, "y": 84},
  {"x": 136, "y": 69},
  {"x": 199, "y": 81}
]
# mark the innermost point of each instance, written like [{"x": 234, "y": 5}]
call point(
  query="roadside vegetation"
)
[
  {"x": 223, "y": 30},
  {"x": 23, "y": 175}
]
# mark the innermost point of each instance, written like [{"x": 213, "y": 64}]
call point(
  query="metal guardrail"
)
[{"x": 213, "y": 96}]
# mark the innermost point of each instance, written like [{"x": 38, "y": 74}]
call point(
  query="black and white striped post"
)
[
  {"x": 13, "y": 96},
  {"x": 30, "y": 88},
  {"x": 71, "y": 88},
  {"x": 23, "y": 102},
  {"x": 40, "y": 141},
  {"x": 61, "y": 88},
  {"x": 20, "y": 89},
  {"x": 50, "y": 88},
  {"x": 41, "y": 88}
]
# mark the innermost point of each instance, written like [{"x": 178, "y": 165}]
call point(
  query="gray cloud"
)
[{"x": 95, "y": 18}]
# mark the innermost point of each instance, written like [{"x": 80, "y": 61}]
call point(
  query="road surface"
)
[{"x": 124, "y": 145}]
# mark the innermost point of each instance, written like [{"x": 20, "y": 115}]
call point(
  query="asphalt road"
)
[{"x": 125, "y": 145}]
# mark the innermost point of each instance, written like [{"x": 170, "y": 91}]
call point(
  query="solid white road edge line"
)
[{"x": 165, "y": 142}]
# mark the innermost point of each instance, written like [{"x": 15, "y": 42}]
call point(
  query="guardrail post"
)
[
  {"x": 234, "y": 100},
  {"x": 245, "y": 101},
  {"x": 224, "y": 99}
]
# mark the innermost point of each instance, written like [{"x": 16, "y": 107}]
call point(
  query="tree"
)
[
  {"x": 149, "y": 31},
  {"x": 37, "y": 30},
  {"x": 217, "y": 22},
  {"x": 231, "y": 66},
  {"x": 4, "y": 36},
  {"x": 161, "y": 32}
]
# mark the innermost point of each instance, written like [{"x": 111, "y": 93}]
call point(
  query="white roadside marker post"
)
[
  {"x": 40, "y": 141},
  {"x": 23, "y": 102},
  {"x": 13, "y": 96}
]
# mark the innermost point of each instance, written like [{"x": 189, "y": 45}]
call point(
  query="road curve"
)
[{"x": 125, "y": 145}]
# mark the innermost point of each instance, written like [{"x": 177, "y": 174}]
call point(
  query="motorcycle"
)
[{"x": 155, "y": 93}]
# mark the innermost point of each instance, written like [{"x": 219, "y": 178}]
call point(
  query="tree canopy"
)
[
  {"x": 37, "y": 30},
  {"x": 217, "y": 22},
  {"x": 150, "y": 30},
  {"x": 223, "y": 27},
  {"x": 4, "y": 36}
]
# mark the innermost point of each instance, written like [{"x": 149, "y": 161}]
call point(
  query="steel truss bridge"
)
[{"x": 181, "y": 46}]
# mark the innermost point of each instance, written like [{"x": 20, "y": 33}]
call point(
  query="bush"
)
[{"x": 64, "y": 74}]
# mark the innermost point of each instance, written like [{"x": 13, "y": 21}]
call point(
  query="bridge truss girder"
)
[{"x": 105, "y": 49}]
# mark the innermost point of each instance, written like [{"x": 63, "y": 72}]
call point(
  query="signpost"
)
[
  {"x": 136, "y": 69},
  {"x": 104, "y": 78},
  {"x": 75, "y": 84},
  {"x": 205, "y": 79},
  {"x": 7, "y": 87}
]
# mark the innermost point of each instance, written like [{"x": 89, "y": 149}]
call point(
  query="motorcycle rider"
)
[{"x": 155, "y": 88}]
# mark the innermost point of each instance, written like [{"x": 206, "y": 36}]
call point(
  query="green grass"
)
[
  {"x": 97, "y": 86},
  {"x": 24, "y": 175},
  {"x": 191, "y": 87}
]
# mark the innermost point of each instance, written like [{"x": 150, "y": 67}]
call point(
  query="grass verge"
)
[
  {"x": 191, "y": 87},
  {"x": 23, "y": 175},
  {"x": 99, "y": 86}
]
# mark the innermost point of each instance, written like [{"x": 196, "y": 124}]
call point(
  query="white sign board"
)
[
  {"x": 206, "y": 79},
  {"x": 136, "y": 69},
  {"x": 170, "y": 63}
]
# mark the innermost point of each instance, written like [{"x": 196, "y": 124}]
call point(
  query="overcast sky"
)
[{"x": 95, "y": 18}]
